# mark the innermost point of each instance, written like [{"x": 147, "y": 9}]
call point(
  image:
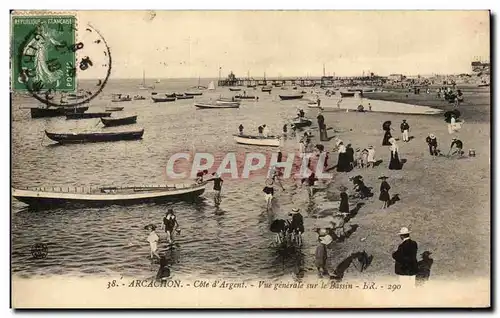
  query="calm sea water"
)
[{"x": 231, "y": 241}]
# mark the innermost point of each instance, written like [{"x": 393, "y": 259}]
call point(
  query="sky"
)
[{"x": 184, "y": 44}]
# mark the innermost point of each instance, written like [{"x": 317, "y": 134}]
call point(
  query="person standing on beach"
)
[
  {"x": 386, "y": 126},
  {"x": 342, "y": 159},
  {"x": 322, "y": 128},
  {"x": 240, "y": 128},
  {"x": 371, "y": 157},
  {"x": 395, "y": 163},
  {"x": 384, "y": 192},
  {"x": 431, "y": 141},
  {"x": 350, "y": 157},
  {"x": 405, "y": 258},
  {"x": 344, "y": 200},
  {"x": 405, "y": 128}
]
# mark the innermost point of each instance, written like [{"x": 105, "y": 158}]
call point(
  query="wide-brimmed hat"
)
[
  {"x": 454, "y": 138},
  {"x": 342, "y": 188},
  {"x": 295, "y": 211},
  {"x": 404, "y": 231},
  {"x": 325, "y": 239},
  {"x": 383, "y": 177},
  {"x": 404, "y": 119},
  {"x": 432, "y": 136}
]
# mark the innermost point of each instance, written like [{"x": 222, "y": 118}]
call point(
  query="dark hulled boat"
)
[
  {"x": 95, "y": 136},
  {"x": 193, "y": 93},
  {"x": 290, "y": 97},
  {"x": 112, "y": 122},
  {"x": 163, "y": 99},
  {"x": 347, "y": 94},
  {"x": 185, "y": 97},
  {"x": 301, "y": 122},
  {"x": 41, "y": 198},
  {"x": 87, "y": 115},
  {"x": 234, "y": 89},
  {"x": 37, "y": 112},
  {"x": 266, "y": 89}
]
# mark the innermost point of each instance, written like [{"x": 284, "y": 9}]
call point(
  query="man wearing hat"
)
[
  {"x": 217, "y": 187},
  {"x": 170, "y": 223},
  {"x": 431, "y": 140},
  {"x": 405, "y": 128},
  {"x": 406, "y": 259},
  {"x": 297, "y": 225}
]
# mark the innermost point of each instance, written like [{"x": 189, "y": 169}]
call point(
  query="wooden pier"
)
[{"x": 324, "y": 81}]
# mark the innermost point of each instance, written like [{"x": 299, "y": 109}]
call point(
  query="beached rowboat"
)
[
  {"x": 217, "y": 105},
  {"x": 290, "y": 97},
  {"x": 185, "y": 97},
  {"x": 162, "y": 99},
  {"x": 193, "y": 93},
  {"x": 234, "y": 89},
  {"x": 112, "y": 122},
  {"x": 64, "y": 138},
  {"x": 245, "y": 97},
  {"x": 87, "y": 115},
  {"x": 41, "y": 198},
  {"x": 270, "y": 141},
  {"x": 301, "y": 122},
  {"x": 347, "y": 94},
  {"x": 113, "y": 109},
  {"x": 38, "y": 112}
]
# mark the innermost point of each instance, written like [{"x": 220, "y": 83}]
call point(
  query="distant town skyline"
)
[{"x": 192, "y": 44}]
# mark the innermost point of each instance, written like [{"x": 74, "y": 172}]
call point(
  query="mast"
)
[
  {"x": 143, "y": 78},
  {"x": 324, "y": 73}
]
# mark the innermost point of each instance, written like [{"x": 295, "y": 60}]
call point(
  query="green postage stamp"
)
[{"x": 43, "y": 53}]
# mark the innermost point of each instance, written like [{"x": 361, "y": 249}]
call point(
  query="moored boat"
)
[
  {"x": 312, "y": 105},
  {"x": 94, "y": 136},
  {"x": 38, "y": 112},
  {"x": 184, "y": 97},
  {"x": 234, "y": 89},
  {"x": 217, "y": 105},
  {"x": 301, "y": 122},
  {"x": 139, "y": 97},
  {"x": 245, "y": 97},
  {"x": 193, "y": 93},
  {"x": 290, "y": 97},
  {"x": 228, "y": 101},
  {"x": 163, "y": 99},
  {"x": 121, "y": 98},
  {"x": 88, "y": 115},
  {"x": 113, "y": 109},
  {"x": 270, "y": 141},
  {"x": 347, "y": 94},
  {"x": 266, "y": 89},
  {"x": 112, "y": 122},
  {"x": 42, "y": 198}
]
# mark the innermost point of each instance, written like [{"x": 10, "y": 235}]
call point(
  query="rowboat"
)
[
  {"x": 42, "y": 198},
  {"x": 139, "y": 97},
  {"x": 266, "y": 89},
  {"x": 245, "y": 97},
  {"x": 270, "y": 141},
  {"x": 185, "y": 97},
  {"x": 347, "y": 94},
  {"x": 193, "y": 93},
  {"x": 289, "y": 97},
  {"x": 234, "y": 89},
  {"x": 94, "y": 136},
  {"x": 111, "y": 122},
  {"x": 312, "y": 105},
  {"x": 113, "y": 109},
  {"x": 162, "y": 99},
  {"x": 301, "y": 122},
  {"x": 228, "y": 101},
  {"x": 216, "y": 105},
  {"x": 87, "y": 115},
  {"x": 37, "y": 112}
]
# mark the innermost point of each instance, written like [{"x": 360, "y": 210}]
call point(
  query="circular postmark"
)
[
  {"x": 39, "y": 250},
  {"x": 52, "y": 59}
]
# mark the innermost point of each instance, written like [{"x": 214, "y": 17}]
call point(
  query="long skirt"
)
[
  {"x": 384, "y": 196},
  {"x": 321, "y": 256},
  {"x": 387, "y": 136},
  {"x": 341, "y": 163},
  {"x": 395, "y": 164},
  {"x": 344, "y": 204}
]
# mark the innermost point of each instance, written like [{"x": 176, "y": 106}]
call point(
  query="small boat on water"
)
[
  {"x": 245, "y": 97},
  {"x": 312, "y": 105},
  {"x": 38, "y": 112},
  {"x": 139, "y": 97},
  {"x": 112, "y": 122},
  {"x": 43, "y": 198},
  {"x": 193, "y": 93},
  {"x": 113, "y": 109},
  {"x": 347, "y": 94},
  {"x": 234, "y": 89},
  {"x": 171, "y": 95},
  {"x": 290, "y": 97},
  {"x": 301, "y": 122},
  {"x": 64, "y": 138},
  {"x": 121, "y": 98},
  {"x": 217, "y": 105},
  {"x": 163, "y": 99},
  {"x": 87, "y": 115},
  {"x": 270, "y": 141},
  {"x": 266, "y": 89},
  {"x": 184, "y": 97}
]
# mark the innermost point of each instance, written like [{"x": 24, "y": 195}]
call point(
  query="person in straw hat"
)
[
  {"x": 384, "y": 192},
  {"x": 321, "y": 255},
  {"x": 405, "y": 258},
  {"x": 431, "y": 141}
]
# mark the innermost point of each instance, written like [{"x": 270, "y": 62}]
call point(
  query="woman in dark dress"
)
[
  {"x": 394, "y": 163},
  {"x": 384, "y": 192},
  {"x": 344, "y": 200},
  {"x": 341, "y": 163},
  {"x": 349, "y": 158},
  {"x": 386, "y": 126}
]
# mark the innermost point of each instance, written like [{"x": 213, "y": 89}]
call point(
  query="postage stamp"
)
[{"x": 44, "y": 53}]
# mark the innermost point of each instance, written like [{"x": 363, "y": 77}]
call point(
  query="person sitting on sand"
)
[
  {"x": 457, "y": 143},
  {"x": 297, "y": 225}
]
